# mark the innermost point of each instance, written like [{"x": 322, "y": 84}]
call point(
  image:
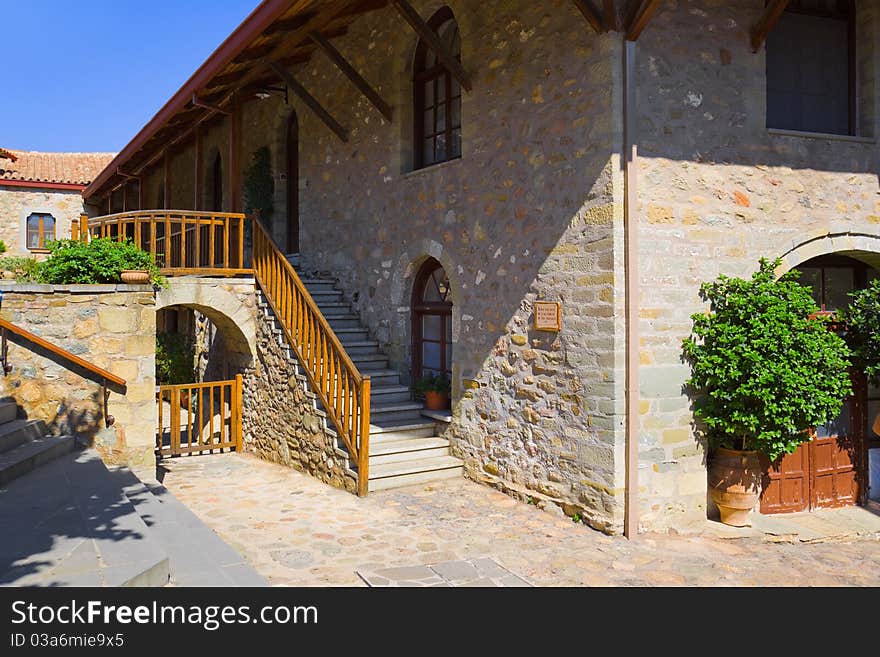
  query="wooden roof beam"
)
[
  {"x": 639, "y": 18},
  {"x": 310, "y": 101},
  {"x": 592, "y": 16},
  {"x": 349, "y": 71},
  {"x": 214, "y": 108},
  {"x": 429, "y": 36},
  {"x": 760, "y": 30},
  {"x": 610, "y": 15}
]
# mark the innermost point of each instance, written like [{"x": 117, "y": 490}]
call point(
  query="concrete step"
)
[
  {"x": 389, "y": 394},
  {"x": 367, "y": 362},
  {"x": 323, "y": 297},
  {"x": 389, "y": 430},
  {"x": 198, "y": 556},
  {"x": 16, "y": 432},
  {"x": 319, "y": 284},
  {"x": 420, "y": 471},
  {"x": 384, "y": 377},
  {"x": 29, "y": 455},
  {"x": 407, "y": 450},
  {"x": 69, "y": 523},
  {"x": 361, "y": 347},
  {"x": 8, "y": 411},
  {"x": 357, "y": 334},
  {"x": 349, "y": 320},
  {"x": 403, "y": 411},
  {"x": 334, "y": 309}
]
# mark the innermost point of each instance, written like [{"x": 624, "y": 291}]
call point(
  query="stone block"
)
[
  {"x": 117, "y": 319},
  {"x": 140, "y": 345}
]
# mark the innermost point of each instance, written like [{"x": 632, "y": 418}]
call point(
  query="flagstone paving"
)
[{"x": 296, "y": 531}]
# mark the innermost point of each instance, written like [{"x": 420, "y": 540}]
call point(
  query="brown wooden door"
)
[{"x": 787, "y": 483}]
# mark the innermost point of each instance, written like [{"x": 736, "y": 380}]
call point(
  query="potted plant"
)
[
  {"x": 435, "y": 388},
  {"x": 766, "y": 373}
]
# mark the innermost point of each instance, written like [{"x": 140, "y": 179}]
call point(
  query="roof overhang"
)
[{"x": 42, "y": 185}]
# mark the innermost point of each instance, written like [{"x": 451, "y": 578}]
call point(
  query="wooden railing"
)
[
  {"x": 342, "y": 390},
  {"x": 183, "y": 242},
  {"x": 105, "y": 376},
  {"x": 199, "y": 417}
]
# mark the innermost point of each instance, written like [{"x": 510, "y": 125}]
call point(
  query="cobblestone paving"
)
[{"x": 296, "y": 531}]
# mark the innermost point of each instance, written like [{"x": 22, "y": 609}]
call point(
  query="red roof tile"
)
[{"x": 70, "y": 168}]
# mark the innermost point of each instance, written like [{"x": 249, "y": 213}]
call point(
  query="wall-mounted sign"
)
[{"x": 548, "y": 316}]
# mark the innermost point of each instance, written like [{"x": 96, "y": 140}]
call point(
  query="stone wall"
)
[
  {"x": 111, "y": 326},
  {"x": 717, "y": 191},
  {"x": 280, "y": 423},
  {"x": 17, "y": 203}
]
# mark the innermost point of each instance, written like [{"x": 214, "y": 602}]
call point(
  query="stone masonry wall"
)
[
  {"x": 111, "y": 326},
  {"x": 717, "y": 191},
  {"x": 280, "y": 422},
  {"x": 17, "y": 203}
]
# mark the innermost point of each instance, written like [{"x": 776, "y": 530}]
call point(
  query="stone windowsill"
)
[
  {"x": 432, "y": 167},
  {"x": 779, "y": 132},
  {"x": 37, "y": 288}
]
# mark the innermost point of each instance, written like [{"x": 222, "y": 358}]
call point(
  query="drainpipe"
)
[{"x": 631, "y": 273}]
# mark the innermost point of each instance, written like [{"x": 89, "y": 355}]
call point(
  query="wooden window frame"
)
[
  {"x": 440, "y": 74},
  {"x": 41, "y": 231}
]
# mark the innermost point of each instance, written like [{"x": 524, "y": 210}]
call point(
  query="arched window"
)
[
  {"x": 40, "y": 230},
  {"x": 217, "y": 184},
  {"x": 437, "y": 97},
  {"x": 432, "y": 321}
]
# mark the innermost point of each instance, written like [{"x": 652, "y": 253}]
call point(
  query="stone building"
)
[
  {"x": 450, "y": 165},
  {"x": 41, "y": 196}
]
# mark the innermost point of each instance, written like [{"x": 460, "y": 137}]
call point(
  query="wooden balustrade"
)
[
  {"x": 199, "y": 417},
  {"x": 342, "y": 390},
  {"x": 183, "y": 242}
]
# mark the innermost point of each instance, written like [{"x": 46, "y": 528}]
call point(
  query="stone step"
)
[
  {"x": 420, "y": 471},
  {"x": 16, "y": 432},
  {"x": 319, "y": 284},
  {"x": 396, "y": 430},
  {"x": 395, "y": 451},
  {"x": 30, "y": 454},
  {"x": 403, "y": 411},
  {"x": 197, "y": 555},
  {"x": 323, "y": 297},
  {"x": 389, "y": 394},
  {"x": 384, "y": 377},
  {"x": 8, "y": 411},
  {"x": 357, "y": 334},
  {"x": 349, "y": 320},
  {"x": 334, "y": 309},
  {"x": 361, "y": 347},
  {"x": 367, "y": 362},
  {"x": 70, "y": 524}
]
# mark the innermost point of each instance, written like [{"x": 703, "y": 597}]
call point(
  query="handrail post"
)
[
  {"x": 364, "y": 447},
  {"x": 4, "y": 354},
  {"x": 83, "y": 227},
  {"x": 238, "y": 413}
]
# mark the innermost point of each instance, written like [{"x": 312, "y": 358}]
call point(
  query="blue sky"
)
[{"x": 86, "y": 75}]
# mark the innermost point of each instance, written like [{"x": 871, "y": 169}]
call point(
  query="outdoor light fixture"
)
[{"x": 264, "y": 92}]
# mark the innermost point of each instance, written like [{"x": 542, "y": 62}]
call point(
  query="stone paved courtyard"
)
[{"x": 297, "y": 531}]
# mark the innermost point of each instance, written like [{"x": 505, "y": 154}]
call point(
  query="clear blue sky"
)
[{"x": 86, "y": 75}]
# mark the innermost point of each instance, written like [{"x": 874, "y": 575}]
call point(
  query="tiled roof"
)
[{"x": 70, "y": 168}]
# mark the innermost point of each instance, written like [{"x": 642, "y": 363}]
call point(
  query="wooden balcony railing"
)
[
  {"x": 183, "y": 242},
  {"x": 105, "y": 376},
  {"x": 199, "y": 417},
  {"x": 342, "y": 390}
]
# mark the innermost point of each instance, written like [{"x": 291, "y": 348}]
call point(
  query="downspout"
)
[{"x": 631, "y": 272}]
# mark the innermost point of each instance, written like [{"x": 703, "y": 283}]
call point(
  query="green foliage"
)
[
  {"x": 3, "y": 247},
  {"x": 26, "y": 270},
  {"x": 174, "y": 359},
  {"x": 97, "y": 261},
  {"x": 259, "y": 185},
  {"x": 432, "y": 383},
  {"x": 862, "y": 320},
  {"x": 768, "y": 372}
]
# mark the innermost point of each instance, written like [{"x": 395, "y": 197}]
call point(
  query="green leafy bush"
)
[
  {"x": 862, "y": 320},
  {"x": 767, "y": 371},
  {"x": 174, "y": 359},
  {"x": 432, "y": 383},
  {"x": 3, "y": 247},
  {"x": 26, "y": 270},
  {"x": 98, "y": 261}
]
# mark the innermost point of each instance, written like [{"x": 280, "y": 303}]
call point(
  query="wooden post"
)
[
  {"x": 197, "y": 187},
  {"x": 364, "y": 447},
  {"x": 84, "y": 227},
  {"x": 174, "y": 419},
  {"x": 238, "y": 413}
]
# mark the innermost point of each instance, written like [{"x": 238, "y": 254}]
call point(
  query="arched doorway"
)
[
  {"x": 432, "y": 321},
  {"x": 832, "y": 469},
  {"x": 292, "y": 184}
]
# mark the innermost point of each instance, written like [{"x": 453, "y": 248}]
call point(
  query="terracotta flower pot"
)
[
  {"x": 135, "y": 276},
  {"x": 735, "y": 484},
  {"x": 436, "y": 401}
]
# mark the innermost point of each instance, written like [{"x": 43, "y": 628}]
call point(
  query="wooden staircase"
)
[{"x": 405, "y": 446}]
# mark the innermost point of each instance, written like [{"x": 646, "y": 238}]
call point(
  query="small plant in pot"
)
[
  {"x": 767, "y": 370},
  {"x": 435, "y": 388}
]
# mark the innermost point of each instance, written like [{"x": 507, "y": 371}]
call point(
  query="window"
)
[
  {"x": 811, "y": 68},
  {"x": 432, "y": 321},
  {"x": 437, "y": 97},
  {"x": 40, "y": 230}
]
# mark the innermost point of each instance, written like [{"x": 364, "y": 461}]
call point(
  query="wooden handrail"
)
[
  {"x": 343, "y": 391},
  {"x": 58, "y": 351},
  {"x": 182, "y": 241}
]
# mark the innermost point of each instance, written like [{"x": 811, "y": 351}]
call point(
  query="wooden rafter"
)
[
  {"x": 592, "y": 16},
  {"x": 639, "y": 18},
  {"x": 356, "y": 79},
  {"x": 760, "y": 30},
  {"x": 197, "y": 102},
  {"x": 610, "y": 15},
  {"x": 310, "y": 101},
  {"x": 429, "y": 36}
]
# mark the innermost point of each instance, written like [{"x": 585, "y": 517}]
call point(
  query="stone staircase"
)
[
  {"x": 406, "y": 447},
  {"x": 25, "y": 444}
]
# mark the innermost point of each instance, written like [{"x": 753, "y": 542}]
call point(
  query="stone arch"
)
[
  {"x": 233, "y": 315},
  {"x": 859, "y": 246}
]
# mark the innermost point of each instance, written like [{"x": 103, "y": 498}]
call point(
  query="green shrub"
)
[
  {"x": 767, "y": 371},
  {"x": 432, "y": 383},
  {"x": 98, "y": 261},
  {"x": 3, "y": 247},
  {"x": 26, "y": 270},
  {"x": 862, "y": 320},
  {"x": 174, "y": 359}
]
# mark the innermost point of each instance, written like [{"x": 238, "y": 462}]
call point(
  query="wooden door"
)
[
  {"x": 787, "y": 483},
  {"x": 835, "y": 455}
]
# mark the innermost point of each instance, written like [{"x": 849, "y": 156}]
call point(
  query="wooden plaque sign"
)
[{"x": 548, "y": 316}]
